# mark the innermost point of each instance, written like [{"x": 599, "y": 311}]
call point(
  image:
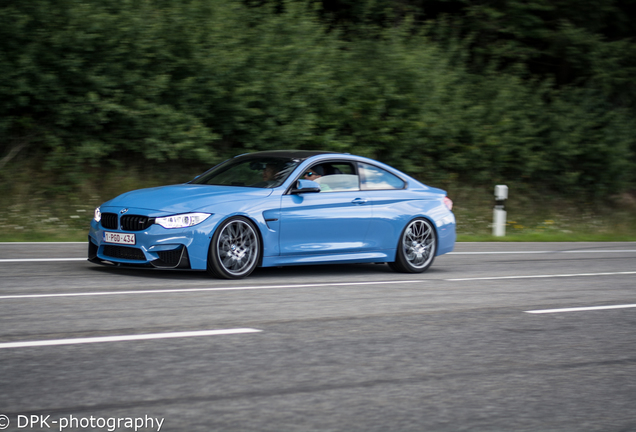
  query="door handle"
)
[{"x": 360, "y": 201}]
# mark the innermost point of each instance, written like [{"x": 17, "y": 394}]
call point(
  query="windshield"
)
[{"x": 258, "y": 172}]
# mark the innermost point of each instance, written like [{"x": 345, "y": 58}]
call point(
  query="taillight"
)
[{"x": 448, "y": 203}]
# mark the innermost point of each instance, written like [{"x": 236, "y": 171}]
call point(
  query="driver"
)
[{"x": 314, "y": 174}]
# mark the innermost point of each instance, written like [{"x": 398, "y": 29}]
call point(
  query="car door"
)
[
  {"x": 391, "y": 203},
  {"x": 329, "y": 222}
]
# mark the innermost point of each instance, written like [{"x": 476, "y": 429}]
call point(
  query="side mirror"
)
[{"x": 305, "y": 186}]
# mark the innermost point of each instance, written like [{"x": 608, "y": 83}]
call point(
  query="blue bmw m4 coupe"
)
[{"x": 277, "y": 208}]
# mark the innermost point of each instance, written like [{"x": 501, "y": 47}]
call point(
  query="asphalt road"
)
[{"x": 325, "y": 348}]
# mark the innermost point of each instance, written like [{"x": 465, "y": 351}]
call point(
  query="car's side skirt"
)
[{"x": 342, "y": 258}]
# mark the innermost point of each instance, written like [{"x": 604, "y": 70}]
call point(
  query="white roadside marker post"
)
[{"x": 498, "y": 213}]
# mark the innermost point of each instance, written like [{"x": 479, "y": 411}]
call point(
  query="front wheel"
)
[
  {"x": 416, "y": 248},
  {"x": 235, "y": 249}
]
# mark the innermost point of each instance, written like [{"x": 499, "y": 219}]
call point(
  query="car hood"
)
[{"x": 185, "y": 197}]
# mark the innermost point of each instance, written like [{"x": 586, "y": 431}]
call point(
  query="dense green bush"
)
[{"x": 99, "y": 83}]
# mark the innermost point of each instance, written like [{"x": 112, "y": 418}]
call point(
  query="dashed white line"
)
[
  {"x": 25, "y": 260},
  {"x": 14, "y": 260},
  {"x": 545, "y": 252},
  {"x": 41, "y": 243},
  {"x": 541, "y": 276},
  {"x": 580, "y": 309},
  {"x": 188, "y": 290},
  {"x": 76, "y": 341},
  {"x": 319, "y": 285}
]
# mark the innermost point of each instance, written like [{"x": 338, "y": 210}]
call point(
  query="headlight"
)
[
  {"x": 182, "y": 221},
  {"x": 98, "y": 215}
]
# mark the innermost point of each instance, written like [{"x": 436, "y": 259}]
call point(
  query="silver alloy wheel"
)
[
  {"x": 418, "y": 243},
  {"x": 237, "y": 248}
]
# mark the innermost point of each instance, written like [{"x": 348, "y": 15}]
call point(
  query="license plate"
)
[{"x": 119, "y": 238}]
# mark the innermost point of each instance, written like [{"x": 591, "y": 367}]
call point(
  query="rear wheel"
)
[
  {"x": 416, "y": 248},
  {"x": 235, "y": 249}
]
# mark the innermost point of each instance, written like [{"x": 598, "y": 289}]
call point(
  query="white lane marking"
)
[
  {"x": 186, "y": 290},
  {"x": 40, "y": 259},
  {"x": 580, "y": 309},
  {"x": 541, "y": 276},
  {"x": 545, "y": 252},
  {"x": 41, "y": 243},
  {"x": 13, "y": 260},
  {"x": 76, "y": 341},
  {"x": 334, "y": 284}
]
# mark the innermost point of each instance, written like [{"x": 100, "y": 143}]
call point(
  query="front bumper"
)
[
  {"x": 119, "y": 255},
  {"x": 155, "y": 246}
]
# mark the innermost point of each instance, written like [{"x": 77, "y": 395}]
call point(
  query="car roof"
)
[{"x": 292, "y": 154}]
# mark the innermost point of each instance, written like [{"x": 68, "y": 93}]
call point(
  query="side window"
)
[
  {"x": 374, "y": 178},
  {"x": 334, "y": 176},
  {"x": 339, "y": 168}
]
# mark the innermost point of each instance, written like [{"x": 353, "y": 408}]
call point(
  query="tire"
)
[
  {"x": 416, "y": 248},
  {"x": 235, "y": 249}
]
